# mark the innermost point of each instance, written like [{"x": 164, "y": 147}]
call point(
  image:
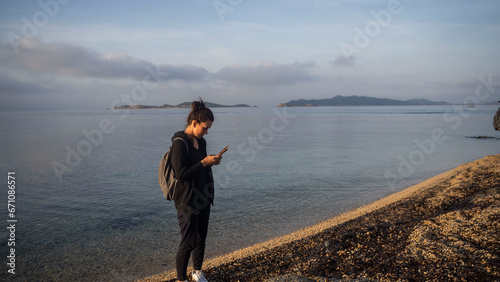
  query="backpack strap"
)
[{"x": 185, "y": 143}]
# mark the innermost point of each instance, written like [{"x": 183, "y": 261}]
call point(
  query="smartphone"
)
[{"x": 223, "y": 151}]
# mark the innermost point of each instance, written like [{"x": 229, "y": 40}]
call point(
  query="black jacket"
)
[{"x": 189, "y": 170}]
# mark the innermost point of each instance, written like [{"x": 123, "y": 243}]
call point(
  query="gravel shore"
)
[{"x": 444, "y": 229}]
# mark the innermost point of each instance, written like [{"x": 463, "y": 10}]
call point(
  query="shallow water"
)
[{"x": 101, "y": 215}]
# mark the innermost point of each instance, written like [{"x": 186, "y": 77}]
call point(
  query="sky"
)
[{"x": 75, "y": 54}]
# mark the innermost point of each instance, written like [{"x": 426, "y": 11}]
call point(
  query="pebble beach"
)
[{"x": 446, "y": 228}]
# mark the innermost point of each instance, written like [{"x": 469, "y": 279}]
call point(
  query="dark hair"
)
[{"x": 200, "y": 113}]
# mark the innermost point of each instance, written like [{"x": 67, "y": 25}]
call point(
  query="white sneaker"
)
[{"x": 198, "y": 276}]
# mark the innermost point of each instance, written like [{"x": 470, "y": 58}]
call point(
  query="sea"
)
[{"x": 83, "y": 202}]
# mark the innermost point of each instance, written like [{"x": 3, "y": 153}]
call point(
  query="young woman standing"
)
[{"x": 195, "y": 193}]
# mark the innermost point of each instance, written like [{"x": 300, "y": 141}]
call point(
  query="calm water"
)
[{"x": 88, "y": 206}]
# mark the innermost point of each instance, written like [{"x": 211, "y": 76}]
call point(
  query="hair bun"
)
[
  {"x": 198, "y": 105},
  {"x": 199, "y": 112}
]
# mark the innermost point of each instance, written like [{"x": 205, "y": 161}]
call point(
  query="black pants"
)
[{"x": 194, "y": 227}]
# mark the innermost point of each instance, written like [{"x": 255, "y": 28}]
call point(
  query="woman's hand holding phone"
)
[
  {"x": 222, "y": 152},
  {"x": 213, "y": 159}
]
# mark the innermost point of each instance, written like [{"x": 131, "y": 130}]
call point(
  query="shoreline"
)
[{"x": 249, "y": 264}]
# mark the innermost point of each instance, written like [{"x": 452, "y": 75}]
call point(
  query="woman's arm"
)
[{"x": 180, "y": 161}]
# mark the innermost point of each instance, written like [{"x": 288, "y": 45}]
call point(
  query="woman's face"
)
[{"x": 200, "y": 129}]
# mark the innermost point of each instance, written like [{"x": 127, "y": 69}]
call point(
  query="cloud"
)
[
  {"x": 270, "y": 74},
  {"x": 78, "y": 61},
  {"x": 63, "y": 75},
  {"x": 9, "y": 85},
  {"x": 343, "y": 61}
]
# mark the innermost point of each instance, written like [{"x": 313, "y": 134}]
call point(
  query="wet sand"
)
[{"x": 446, "y": 228}]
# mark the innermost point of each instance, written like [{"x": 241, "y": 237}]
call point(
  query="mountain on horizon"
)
[
  {"x": 213, "y": 105},
  {"x": 358, "y": 101},
  {"x": 181, "y": 105}
]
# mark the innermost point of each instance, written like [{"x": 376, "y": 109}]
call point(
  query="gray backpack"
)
[
  {"x": 166, "y": 178},
  {"x": 496, "y": 121}
]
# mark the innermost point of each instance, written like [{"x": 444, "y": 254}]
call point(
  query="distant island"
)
[
  {"x": 182, "y": 105},
  {"x": 358, "y": 101}
]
